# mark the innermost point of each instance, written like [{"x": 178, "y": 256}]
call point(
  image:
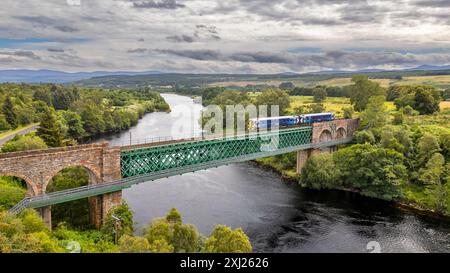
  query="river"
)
[{"x": 276, "y": 215}]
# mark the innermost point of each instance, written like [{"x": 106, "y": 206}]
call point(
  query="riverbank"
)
[{"x": 290, "y": 176}]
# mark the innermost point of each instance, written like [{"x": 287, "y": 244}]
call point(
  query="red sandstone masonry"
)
[{"x": 38, "y": 167}]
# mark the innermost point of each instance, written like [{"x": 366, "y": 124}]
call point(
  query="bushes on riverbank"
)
[
  {"x": 371, "y": 170},
  {"x": 27, "y": 233},
  {"x": 408, "y": 164}
]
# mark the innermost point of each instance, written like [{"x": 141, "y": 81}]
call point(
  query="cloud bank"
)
[{"x": 235, "y": 36}]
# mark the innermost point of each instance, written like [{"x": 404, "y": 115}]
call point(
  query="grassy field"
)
[
  {"x": 348, "y": 81},
  {"x": 333, "y": 105},
  {"x": 439, "y": 81},
  {"x": 445, "y": 104}
]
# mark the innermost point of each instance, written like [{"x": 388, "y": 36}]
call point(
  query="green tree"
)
[
  {"x": 161, "y": 246},
  {"x": 272, "y": 97},
  {"x": 225, "y": 240},
  {"x": 63, "y": 97},
  {"x": 92, "y": 116},
  {"x": 432, "y": 176},
  {"x": 348, "y": 112},
  {"x": 320, "y": 172},
  {"x": 408, "y": 110},
  {"x": 11, "y": 192},
  {"x": 43, "y": 95},
  {"x": 374, "y": 171},
  {"x": 375, "y": 114},
  {"x": 428, "y": 145},
  {"x": 10, "y": 113},
  {"x": 316, "y": 108},
  {"x": 171, "y": 230},
  {"x": 425, "y": 102},
  {"x": 131, "y": 244},
  {"x": 23, "y": 143},
  {"x": 424, "y": 99},
  {"x": 365, "y": 136},
  {"x": 444, "y": 140},
  {"x": 286, "y": 86},
  {"x": 74, "y": 124},
  {"x": 319, "y": 94},
  {"x": 446, "y": 94},
  {"x": 361, "y": 90},
  {"x": 25, "y": 234},
  {"x": 49, "y": 130},
  {"x": 125, "y": 215},
  {"x": 398, "y": 118}
]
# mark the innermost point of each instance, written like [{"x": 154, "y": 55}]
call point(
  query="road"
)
[{"x": 21, "y": 132}]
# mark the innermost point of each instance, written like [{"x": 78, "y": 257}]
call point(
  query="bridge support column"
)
[
  {"x": 99, "y": 206},
  {"x": 46, "y": 214},
  {"x": 302, "y": 157}
]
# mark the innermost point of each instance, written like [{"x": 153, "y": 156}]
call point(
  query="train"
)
[{"x": 286, "y": 121}]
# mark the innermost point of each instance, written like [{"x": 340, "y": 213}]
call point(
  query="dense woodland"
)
[{"x": 78, "y": 113}]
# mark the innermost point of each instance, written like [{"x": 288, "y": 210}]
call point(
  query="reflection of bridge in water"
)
[{"x": 112, "y": 169}]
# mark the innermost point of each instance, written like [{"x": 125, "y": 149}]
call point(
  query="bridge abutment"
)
[
  {"x": 327, "y": 131},
  {"x": 46, "y": 214}
]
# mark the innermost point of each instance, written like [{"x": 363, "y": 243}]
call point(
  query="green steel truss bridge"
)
[{"x": 146, "y": 163}]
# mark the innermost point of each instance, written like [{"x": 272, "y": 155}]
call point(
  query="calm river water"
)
[{"x": 277, "y": 217}]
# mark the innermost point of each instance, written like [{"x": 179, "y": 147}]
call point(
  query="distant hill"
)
[
  {"x": 130, "y": 79},
  {"x": 427, "y": 67},
  {"x": 53, "y": 76},
  {"x": 169, "y": 80}
]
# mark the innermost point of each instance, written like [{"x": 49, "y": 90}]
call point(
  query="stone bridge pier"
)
[
  {"x": 38, "y": 167},
  {"x": 327, "y": 131}
]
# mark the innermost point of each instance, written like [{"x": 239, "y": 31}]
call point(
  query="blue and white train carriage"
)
[{"x": 285, "y": 121}]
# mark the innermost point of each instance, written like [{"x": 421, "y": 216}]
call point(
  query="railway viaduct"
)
[{"x": 112, "y": 169}]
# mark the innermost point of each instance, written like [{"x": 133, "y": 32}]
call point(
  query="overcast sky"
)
[{"x": 233, "y": 36}]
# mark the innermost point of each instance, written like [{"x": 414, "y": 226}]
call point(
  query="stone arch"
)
[
  {"x": 325, "y": 135},
  {"x": 341, "y": 133},
  {"x": 94, "y": 174},
  {"x": 65, "y": 213},
  {"x": 32, "y": 190}
]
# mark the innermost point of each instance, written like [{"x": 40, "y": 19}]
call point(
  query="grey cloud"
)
[
  {"x": 433, "y": 3},
  {"x": 347, "y": 12},
  {"x": 8, "y": 60},
  {"x": 58, "y": 50},
  {"x": 329, "y": 59},
  {"x": 193, "y": 54},
  {"x": 22, "y": 53},
  {"x": 362, "y": 13},
  {"x": 155, "y": 4},
  {"x": 137, "y": 50},
  {"x": 208, "y": 31},
  {"x": 45, "y": 21},
  {"x": 66, "y": 28},
  {"x": 180, "y": 38},
  {"x": 40, "y": 20}
]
